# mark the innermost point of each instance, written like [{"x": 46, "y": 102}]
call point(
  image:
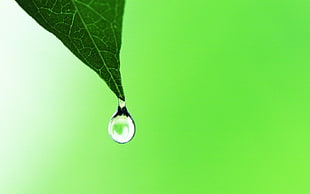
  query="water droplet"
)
[{"x": 121, "y": 127}]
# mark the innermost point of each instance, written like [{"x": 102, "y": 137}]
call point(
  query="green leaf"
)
[{"x": 91, "y": 29}]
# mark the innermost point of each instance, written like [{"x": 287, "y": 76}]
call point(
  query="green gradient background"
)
[{"x": 219, "y": 91}]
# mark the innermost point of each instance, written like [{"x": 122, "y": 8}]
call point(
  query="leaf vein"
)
[{"x": 96, "y": 46}]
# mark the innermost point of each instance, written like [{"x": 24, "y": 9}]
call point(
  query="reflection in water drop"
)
[{"x": 121, "y": 126}]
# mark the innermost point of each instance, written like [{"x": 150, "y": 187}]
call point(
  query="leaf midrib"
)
[{"x": 96, "y": 46}]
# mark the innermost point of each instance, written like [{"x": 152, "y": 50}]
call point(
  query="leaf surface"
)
[{"x": 91, "y": 29}]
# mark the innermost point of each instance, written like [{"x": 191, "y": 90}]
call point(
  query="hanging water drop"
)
[{"x": 121, "y": 127}]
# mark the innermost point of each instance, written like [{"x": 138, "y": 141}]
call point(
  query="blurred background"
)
[{"x": 219, "y": 91}]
